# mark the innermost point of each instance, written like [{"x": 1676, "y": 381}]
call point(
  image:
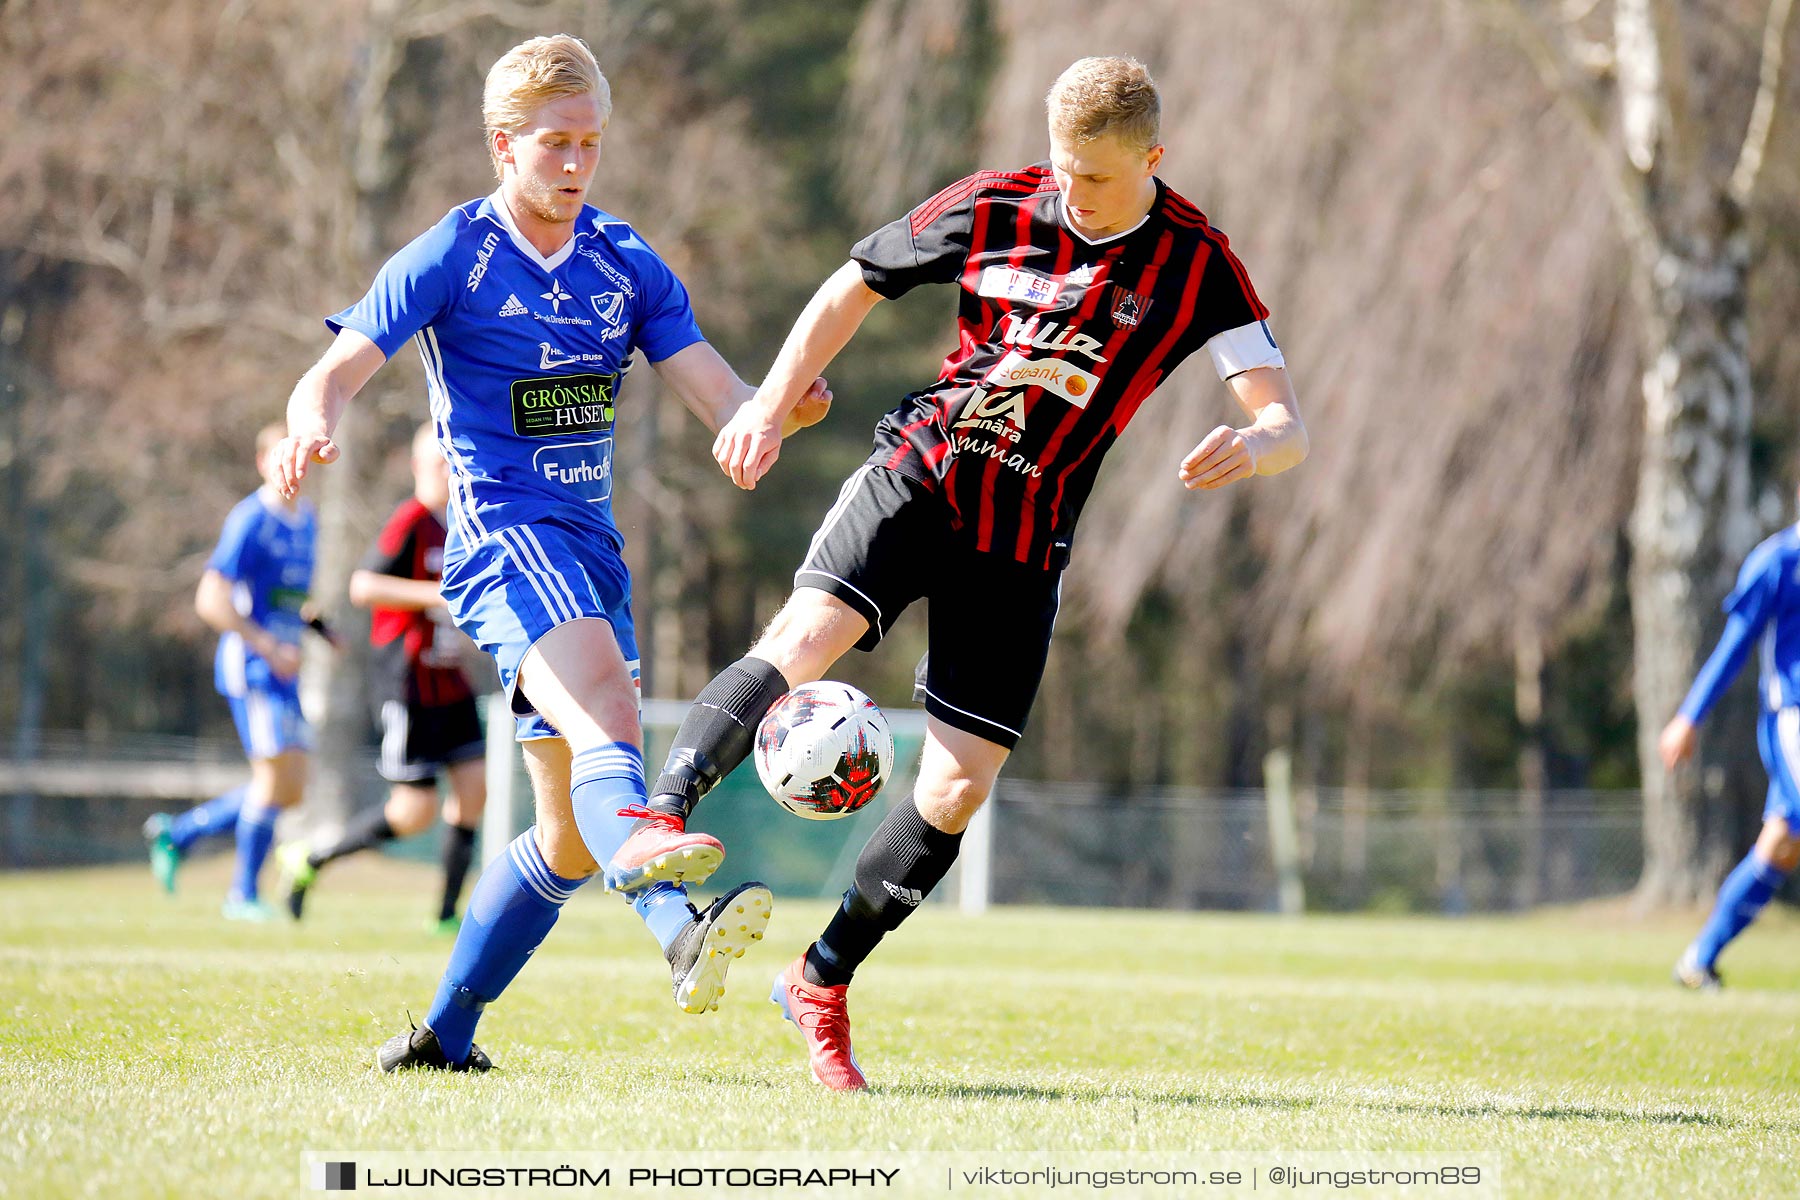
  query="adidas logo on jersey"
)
[
  {"x": 1081, "y": 276},
  {"x": 512, "y": 307},
  {"x": 905, "y": 895}
]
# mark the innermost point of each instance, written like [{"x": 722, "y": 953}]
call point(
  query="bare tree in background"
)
[
  {"x": 296, "y": 146},
  {"x": 1679, "y": 107},
  {"x": 915, "y": 80},
  {"x": 1443, "y": 282}
]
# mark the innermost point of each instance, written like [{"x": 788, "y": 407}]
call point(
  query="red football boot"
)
[
  {"x": 661, "y": 850},
  {"x": 823, "y": 1019}
]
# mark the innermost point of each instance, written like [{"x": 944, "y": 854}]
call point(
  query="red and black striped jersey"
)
[
  {"x": 1060, "y": 339},
  {"x": 408, "y": 665}
]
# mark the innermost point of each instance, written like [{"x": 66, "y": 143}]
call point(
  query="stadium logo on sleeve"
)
[
  {"x": 478, "y": 272},
  {"x": 563, "y": 404},
  {"x": 1128, "y": 308},
  {"x": 1015, "y": 283}
]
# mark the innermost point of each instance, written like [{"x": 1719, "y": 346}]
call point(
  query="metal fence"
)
[
  {"x": 81, "y": 800},
  {"x": 1418, "y": 851}
]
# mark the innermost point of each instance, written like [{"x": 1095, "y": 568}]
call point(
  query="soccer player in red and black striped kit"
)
[
  {"x": 429, "y": 721},
  {"x": 1084, "y": 282}
]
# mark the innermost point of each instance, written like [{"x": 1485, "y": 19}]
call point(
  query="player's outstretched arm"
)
[
  {"x": 751, "y": 440},
  {"x": 712, "y": 391},
  {"x": 319, "y": 401},
  {"x": 1274, "y": 440},
  {"x": 1676, "y": 745},
  {"x": 372, "y": 589},
  {"x": 1743, "y": 627}
]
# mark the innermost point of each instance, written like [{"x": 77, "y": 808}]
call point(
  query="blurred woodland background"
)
[{"x": 1533, "y": 265}]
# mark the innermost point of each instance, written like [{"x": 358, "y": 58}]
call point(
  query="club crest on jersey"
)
[
  {"x": 609, "y": 307},
  {"x": 1015, "y": 283},
  {"x": 1128, "y": 308}
]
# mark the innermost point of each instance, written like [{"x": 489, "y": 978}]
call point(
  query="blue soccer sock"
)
[
  {"x": 255, "y": 834},
  {"x": 602, "y": 780},
  {"x": 217, "y": 816},
  {"x": 514, "y": 904},
  {"x": 665, "y": 908},
  {"x": 1741, "y": 897}
]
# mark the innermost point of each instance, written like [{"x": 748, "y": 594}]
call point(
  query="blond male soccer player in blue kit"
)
[{"x": 526, "y": 307}]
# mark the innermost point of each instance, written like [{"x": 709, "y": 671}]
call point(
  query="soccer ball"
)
[{"x": 824, "y": 750}]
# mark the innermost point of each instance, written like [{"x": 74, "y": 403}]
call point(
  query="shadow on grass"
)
[{"x": 1228, "y": 1100}]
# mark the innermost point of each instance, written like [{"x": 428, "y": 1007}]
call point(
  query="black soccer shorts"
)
[
  {"x": 888, "y": 542},
  {"x": 417, "y": 742}
]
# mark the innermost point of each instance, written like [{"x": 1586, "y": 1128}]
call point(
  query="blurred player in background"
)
[
  {"x": 526, "y": 307},
  {"x": 1764, "y": 608},
  {"x": 1084, "y": 282},
  {"x": 429, "y": 721},
  {"x": 254, "y": 592}
]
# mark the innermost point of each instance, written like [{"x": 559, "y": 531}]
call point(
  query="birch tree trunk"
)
[
  {"x": 1690, "y": 529},
  {"x": 1688, "y": 226},
  {"x": 1690, "y": 243}
]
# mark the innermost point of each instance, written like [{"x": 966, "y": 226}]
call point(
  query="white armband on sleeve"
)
[{"x": 1244, "y": 349}]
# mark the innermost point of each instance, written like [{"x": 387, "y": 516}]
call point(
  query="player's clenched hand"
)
[
  {"x": 748, "y": 445},
  {"x": 810, "y": 410},
  {"x": 294, "y": 453},
  {"x": 284, "y": 660},
  {"x": 1224, "y": 457},
  {"x": 1676, "y": 745}
]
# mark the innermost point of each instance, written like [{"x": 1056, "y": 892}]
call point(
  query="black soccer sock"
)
[
  {"x": 363, "y": 830},
  {"x": 458, "y": 849},
  {"x": 717, "y": 733},
  {"x": 904, "y": 860}
]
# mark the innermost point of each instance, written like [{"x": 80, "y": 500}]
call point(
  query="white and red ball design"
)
[{"x": 824, "y": 750}]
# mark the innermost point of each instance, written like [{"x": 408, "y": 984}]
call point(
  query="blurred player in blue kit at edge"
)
[
  {"x": 1762, "y": 612},
  {"x": 525, "y": 307},
  {"x": 430, "y": 723},
  {"x": 254, "y": 592}
]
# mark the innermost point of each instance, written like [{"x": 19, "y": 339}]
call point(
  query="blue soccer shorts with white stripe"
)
[
  {"x": 522, "y": 581},
  {"x": 270, "y": 723}
]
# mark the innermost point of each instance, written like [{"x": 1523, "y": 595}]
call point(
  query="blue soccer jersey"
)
[
  {"x": 524, "y": 356},
  {"x": 267, "y": 554},
  {"x": 1765, "y": 607}
]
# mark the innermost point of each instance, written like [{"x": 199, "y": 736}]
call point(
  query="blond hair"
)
[
  {"x": 531, "y": 75},
  {"x": 268, "y": 435},
  {"x": 1100, "y": 97}
]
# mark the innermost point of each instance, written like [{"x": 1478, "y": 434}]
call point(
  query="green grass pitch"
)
[{"x": 148, "y": 1048}]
